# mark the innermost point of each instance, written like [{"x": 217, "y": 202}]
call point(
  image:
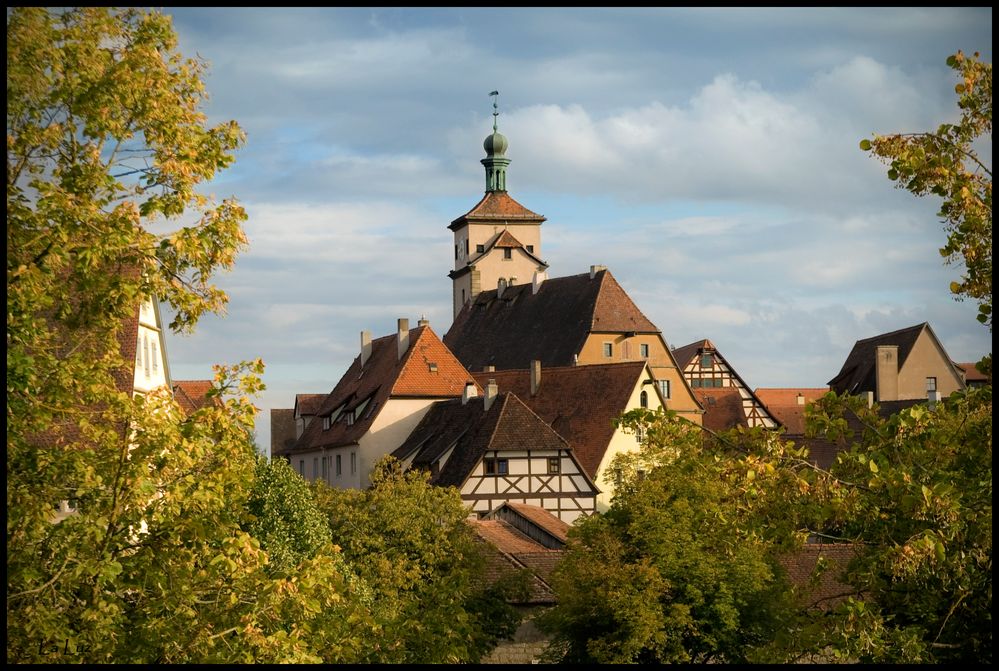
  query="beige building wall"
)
[
  {"x": 925, "y": 360},
  {"x": 620, "y": 443},
  {"x": 492, "y": 265},
  {"x": 661, "y": 363},
  {"x": 390, "y": 429}
]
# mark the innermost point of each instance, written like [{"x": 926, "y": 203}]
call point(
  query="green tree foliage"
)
[
  {"x": 946, "y": 164},
  {"x": 105, "y": 140},
  {"x": 409, "y": 541},
  {"x": 676, "y": 570}
]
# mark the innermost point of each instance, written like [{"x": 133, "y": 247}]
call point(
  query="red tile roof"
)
[
  {"x": 971, "y": 374},
  {"x": 722, "y": 408},
  {"x": 497, "y": 206},
  {"x": 191, "y": 395},
  {"x": 506, "y": 239},
  {"x": 541, "y": 518},
  {"x": 511, "y": 550},
  {"x": 783, "y": 404},
  {"x": 550, "y": 326},
  {"x": 829, "y": 588},
  {"x": 426, "y": 370},
  {"x": 579, "y": 402}
]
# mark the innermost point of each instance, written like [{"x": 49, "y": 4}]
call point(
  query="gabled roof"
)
[
  {"x": 308, "y": 404},
  {"x": 497, "y": 206},
  {"x": 551, "y": 325},
  {"x": 468, "y": 431},
  {"x": 427, "y": 370},
  {"x": 722, "y": 408},
  {"x": 506, "y": 239},
  {"x": 579, "y": 402},
  {"x": 859, "y": 371},
  {"x": 782, "y": 404},
  {"x": 684, "y": 355},
  {"x": 525, "y": 517},
  {"x": 191, "y": 395},
  {"x": 513, "y": 550}
]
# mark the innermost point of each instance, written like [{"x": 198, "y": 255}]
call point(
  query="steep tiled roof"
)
[
  {"x": 472, "y": 431},
  {"x": 829, "y": 588},
  {"x": 191, "y": 395},
  {"x": 512, "y": 550},
  {"x": 426, "y": 370},
  {"x": 684, "y": 355},
  {"x": 782, "y": 403},
  {"x": 550, "y": 326},
  {"x": 309, "y": 404},
  {"x": 541, "y": 518},
  {"x": 722, "y": 408},
  {"x": 497, "y": 206},
  {"x": 859, "y": 370},
  {"x": 579, "y": 402},
  {"x": 282, "y": 429},
  {"x": 506, "y": 239}
]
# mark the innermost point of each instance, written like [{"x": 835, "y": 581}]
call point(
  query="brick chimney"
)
[
  {"x": 886, "y": 383},
  {"x": 535, "y": 376},
  {"x": 492, "y": 390},
  {"x": 402, "y": 338},
  {"x": 469, "y": 392},
  {"x": 365, "y": 347}
]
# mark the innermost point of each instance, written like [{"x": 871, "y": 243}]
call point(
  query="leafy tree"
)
[
  {"x": 105, "y": 141},
  {"x": 409, "y": 541},
  {"x": 676, "y": 570},
  {"x": 946, "y": 164}
]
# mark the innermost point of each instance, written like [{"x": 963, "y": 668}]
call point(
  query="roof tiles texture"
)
[
  {"x": 722, "y": 408},
  {"x": 309, "y": 404},
  {"x": 191, "y": 395},
  {"x": 551, "y": 325},
  {"x": 827, "y": 589},
  {"x": 497, "y": 206},
  {"x": 684, "y": 355},
  {"x": 541, "y": 518},
  {"x": 783, "y": 404},
  {"x": 579, "y": 402},
  {"x": 427, "y": 369},
  {"x": 512, "y": 550}
]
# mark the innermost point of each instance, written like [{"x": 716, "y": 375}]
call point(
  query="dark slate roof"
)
[
  {"x": 282, "y": 429},
  {"x": 550, "y": 326},
  {"x": 579, "y": 402},
  {"x": 472, "y": 431},
  {"x": 497, "y": 206},
  {"x": 830, "y": 589},
  {"x": 383, "y": 376},
  {"x": 308, "y": 404},
  {"x": 722, "y": 408},
  {"x": 859, "y": 372}
]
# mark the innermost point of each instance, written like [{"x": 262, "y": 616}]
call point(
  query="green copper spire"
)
[{"x": 495, "y": 161}]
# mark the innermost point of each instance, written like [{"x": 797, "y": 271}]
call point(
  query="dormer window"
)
[{"x": 432, "y": 367}]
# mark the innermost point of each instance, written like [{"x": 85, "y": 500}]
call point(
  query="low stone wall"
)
[{"x": 525, "y": 647}]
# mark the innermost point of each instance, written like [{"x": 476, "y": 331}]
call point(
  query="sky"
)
[{"x": 708, "y": 157}]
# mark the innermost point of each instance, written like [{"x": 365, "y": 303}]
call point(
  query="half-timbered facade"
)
[
  {"x": 495, "y": 450},
  {"x": 581, "y": 404},
  {"x": 706, "y": 370}
]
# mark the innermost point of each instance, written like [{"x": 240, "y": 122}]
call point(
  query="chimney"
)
[
  {"x": 575, "y": 359},
  {"x": 539, "y": 277},
  {"x": 535, "y": 376},
  {"x": 403, "y": 337},
  {"x": 512, "y": 281},
  {"x": 491, "y": 392},
  {"x": 365, "y": 347},
  {"x": 469, "y": 392},
  {"x": 500, "y": 287},
  {"x": 801, "y": 398},
  {"x": 423, "y": 321},
  {"x": 489, "y": 369},
  {"x": 886, "y": 382},
  {"x": 932, "y": 398},
  {"x": 596, "y": 269}
]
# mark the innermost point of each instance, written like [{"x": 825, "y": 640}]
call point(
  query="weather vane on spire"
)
[{"x": 494, "y": 94}]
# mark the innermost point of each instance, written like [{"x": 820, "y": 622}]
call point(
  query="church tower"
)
[{"x": 498, "y": 242}]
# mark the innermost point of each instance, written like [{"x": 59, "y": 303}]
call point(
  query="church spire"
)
[{"x": 495, "y": 161}]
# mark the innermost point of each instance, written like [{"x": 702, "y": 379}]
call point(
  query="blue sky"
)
[{"x": 709, "y": 157}]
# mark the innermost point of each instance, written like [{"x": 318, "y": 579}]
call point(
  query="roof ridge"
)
[
  {"x": 892, "y": 333},
  {"x": 538, "y": 417}
]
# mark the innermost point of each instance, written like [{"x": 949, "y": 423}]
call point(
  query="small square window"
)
[
  {"x": 479, "y": 249},
  {"x": 608, "y": 349},
  {"x": 530, "y": 249}
]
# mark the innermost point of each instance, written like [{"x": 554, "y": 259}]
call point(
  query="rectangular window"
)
[
  {"x": 479, "y": 249},
  {"x": 456, "y": 252},
  {"x": 156, "y": 358},
  {"x": 497, "y": 466},
  {"x": 339, "y": 466},
  {"x": 664, "y": 388},
  {"x": 325, "y": 470},
  {"x": 315, "y": 467},
  {"x": 931, "y": 384},
  {"x": 466, "y": 246},
  {"x": 326, "y": 423},
  {"x": 301, "y": 467},
  {"x": 695, "y": 383},
  {"x": 508, "y": 253},
  {"x": 608, "y": 349},
  {"x": 353, "y": 462},
  {"x": 350, "y": 418},
  {"x": 707, "y": 361},
  {"x": 554, "y": 465},
  {"x": 644, "y": 350}
]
